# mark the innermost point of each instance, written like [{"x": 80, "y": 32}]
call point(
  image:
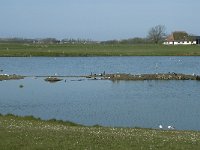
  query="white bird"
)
[
  {"x": 156, "y": 66},
  {"x": 160, "y": 126},
  {"x": 170, "y": 127}
]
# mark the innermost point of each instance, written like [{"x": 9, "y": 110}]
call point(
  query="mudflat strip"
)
[
  {"x": 10, "y": 77},
  {"x": 118, "y": 76},
  {"x": 158, "y": 76}
]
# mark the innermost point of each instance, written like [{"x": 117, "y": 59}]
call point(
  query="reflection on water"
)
[{"x": 89, "y": 102}]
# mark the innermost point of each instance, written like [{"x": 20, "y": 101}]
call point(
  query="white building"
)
[{"x": 181, "y": 38}]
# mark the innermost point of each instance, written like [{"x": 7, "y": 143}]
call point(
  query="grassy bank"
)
[
  {"x": 30, "y": 133},
  {"x": 27, "y": 50}
]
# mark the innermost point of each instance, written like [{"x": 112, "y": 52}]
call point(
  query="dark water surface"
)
[{"x": 89, "y": 102}]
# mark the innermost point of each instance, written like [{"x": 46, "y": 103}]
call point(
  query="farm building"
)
[
  {"x": 182, "y": 38},
  {"x": 197, "y": 39}
]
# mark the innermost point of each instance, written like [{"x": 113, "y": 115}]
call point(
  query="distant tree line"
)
[
  {"x": 155, "y": 35},
  {"x": 15, "y": 40},
  {"x": 136, "y": 40},
  {"x": 45, "y": 41},
  {"x": 24, "y": 40},
  {"x": 78, "y": 41}
]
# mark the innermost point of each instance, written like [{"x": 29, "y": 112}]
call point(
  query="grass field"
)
[
  {"x": 27, "y": 50},
  {"x": 30, "y": 133}
]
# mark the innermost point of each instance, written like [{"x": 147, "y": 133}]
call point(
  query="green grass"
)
[
  {"x": 29, "y": 133},
  {"x": 27, "y": 50}
]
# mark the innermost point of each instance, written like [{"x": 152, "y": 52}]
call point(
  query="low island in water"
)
[{"x": 117, "y": 76}]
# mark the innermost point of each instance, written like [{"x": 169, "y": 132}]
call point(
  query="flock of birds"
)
[{"x": 168, "y": 127}]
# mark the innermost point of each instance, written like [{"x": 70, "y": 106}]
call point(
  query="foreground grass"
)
[
  {"x": 27, "y": 50},
  {"x": 30, "y": 133}
]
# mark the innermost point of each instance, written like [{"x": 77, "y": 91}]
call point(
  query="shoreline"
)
[
  {"x": 157, "y": 76},
  {"x": 32, "y": 133},
  {"x": 69, "y": 123},
  {"x": 10, "y": 77},
  {"x": 113, "y": 77}
]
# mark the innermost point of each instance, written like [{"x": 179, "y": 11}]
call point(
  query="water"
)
[
  {"x": 86, "y": 65},
  {"x": 89, "y": 102}
]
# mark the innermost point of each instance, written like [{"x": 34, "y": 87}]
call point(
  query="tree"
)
[{"x": 156, "y": 34}]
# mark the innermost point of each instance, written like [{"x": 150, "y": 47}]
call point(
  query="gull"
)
[
  {"x": 170, "y": 127},
  {"x": 160, "y": 126},
  {"x": 156, "y": 66}
]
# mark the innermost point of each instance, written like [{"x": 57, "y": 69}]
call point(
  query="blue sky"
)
[{"x": 96, "y": 19}]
